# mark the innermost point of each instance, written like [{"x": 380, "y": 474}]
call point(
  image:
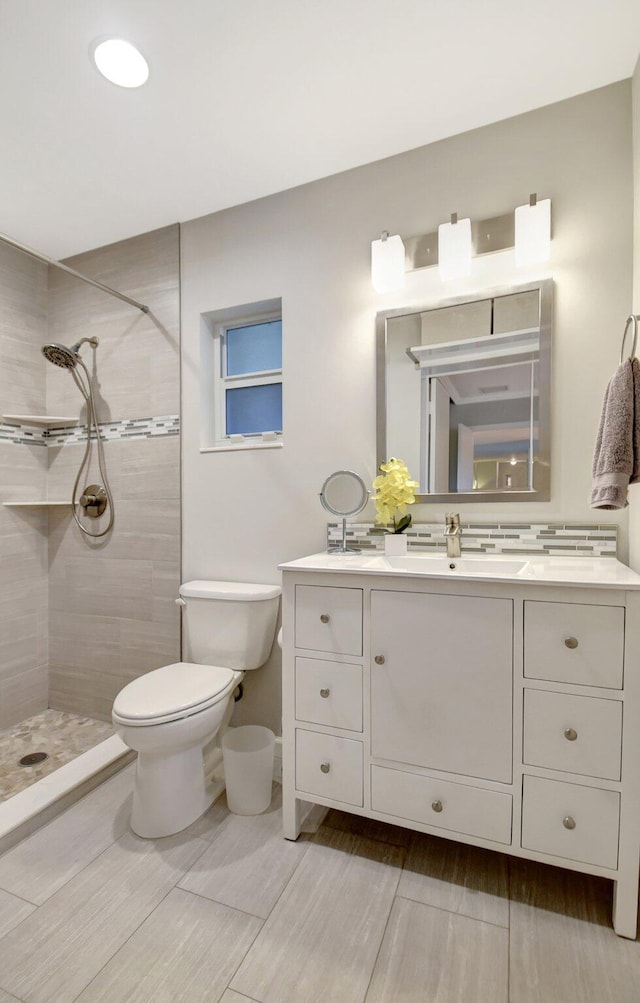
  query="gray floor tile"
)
[
  {"x": 463, "y": 879},
  {"x": 186, "y": 951},
  {"x": 12, "y": 911},
  {"x": 321, "y": 940},
  {"x": 62, "y": 946},
  {"x": 368, "y": 828},
  {"x": 431, "y": 955},
  {"x": 43, "y": 862},
  {"x": 248, "y": 864},
  {"x": 563, "y": 946}
]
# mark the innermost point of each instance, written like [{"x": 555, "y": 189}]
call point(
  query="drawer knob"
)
[
  {"x": 325, "y": 767},
  {"x": 568, "y": 822},
  {"x": 437, "y": 806},
  {"x": 379, "y": 659},
  {"x": 571, "y": 642},
  {"x": 570, "y": 734},
  {"x": 325, "y": 693},
  {"x": 324, "y": 618}
]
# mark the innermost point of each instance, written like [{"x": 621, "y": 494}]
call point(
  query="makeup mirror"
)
[{"x": 344, "y": 493}]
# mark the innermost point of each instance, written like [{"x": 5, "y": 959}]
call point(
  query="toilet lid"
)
[{"x": 173, "y": 690}]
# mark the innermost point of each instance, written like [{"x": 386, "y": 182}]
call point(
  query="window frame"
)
[{"x": 222, "y": 382}]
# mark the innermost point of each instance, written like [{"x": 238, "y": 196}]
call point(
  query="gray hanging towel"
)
[{"x": 616, "y": 460}]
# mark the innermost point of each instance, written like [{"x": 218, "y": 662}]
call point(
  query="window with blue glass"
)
[{"x": 251, "y": 378}]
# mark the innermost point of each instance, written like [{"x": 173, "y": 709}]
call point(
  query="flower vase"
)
[{"x": 395, "y": 544}]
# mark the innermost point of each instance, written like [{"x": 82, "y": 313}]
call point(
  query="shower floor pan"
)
[{"x": 81, "y": 753}]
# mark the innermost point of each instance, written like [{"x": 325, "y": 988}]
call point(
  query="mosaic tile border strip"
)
[
  {"x": 568, "y": 539},
  {"x": 69, "y": 435}
]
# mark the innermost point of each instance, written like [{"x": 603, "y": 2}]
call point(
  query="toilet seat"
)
[{"x": 173, "y": 692}]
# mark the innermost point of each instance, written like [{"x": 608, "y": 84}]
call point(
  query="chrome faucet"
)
[{"x": 452, "y": 534}]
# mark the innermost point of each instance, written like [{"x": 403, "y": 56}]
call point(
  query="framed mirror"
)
[{"x": 464, "y": 394}]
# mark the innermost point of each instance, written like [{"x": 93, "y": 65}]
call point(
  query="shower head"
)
[
  {"x": 66, "y": 358},
  {"x": 60, "y": 355}
]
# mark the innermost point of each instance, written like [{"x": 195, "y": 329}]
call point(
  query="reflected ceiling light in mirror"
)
[
  {"x": 454, "y": 248},
  {"x": 120, "y": 62},
  {"x": 533, "y": 232},
  {"x": 387, "y": 263}
]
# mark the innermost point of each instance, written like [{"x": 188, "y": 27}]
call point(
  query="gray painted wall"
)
[{"x": 245, "y": 512}]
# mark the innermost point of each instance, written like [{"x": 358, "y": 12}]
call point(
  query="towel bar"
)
[{"x": 633, "y": 320}]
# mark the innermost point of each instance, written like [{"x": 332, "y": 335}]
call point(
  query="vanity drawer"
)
[
  {"x": 571, "y": 821},
  {"x": 329, "y": 767},
  {"x": 573, "y": 733},
  {"x": 329, "y": 693},
  {"x": 574, "y": 643},
  {"x": 329, "y": 619},
  {"x": 456, "y": 807}
]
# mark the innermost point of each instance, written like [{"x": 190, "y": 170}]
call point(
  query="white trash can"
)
[{"x": 248, "y": 768}]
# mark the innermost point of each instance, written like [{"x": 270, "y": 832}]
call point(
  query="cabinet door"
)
[{"x": 441, "y": 682}]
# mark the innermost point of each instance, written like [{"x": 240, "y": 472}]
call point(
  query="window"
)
[{"x": 241, "y": 362}]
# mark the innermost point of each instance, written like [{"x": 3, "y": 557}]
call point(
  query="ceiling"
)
[{"x": 250, "y": 97}]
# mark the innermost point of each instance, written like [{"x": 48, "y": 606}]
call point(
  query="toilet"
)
[{"x": 170, "y": 714}]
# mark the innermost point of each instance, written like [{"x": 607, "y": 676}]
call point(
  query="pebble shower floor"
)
[{"x": 62, "y": 736}]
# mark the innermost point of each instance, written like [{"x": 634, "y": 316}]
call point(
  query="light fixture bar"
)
[{"x": 487, "y": 236}]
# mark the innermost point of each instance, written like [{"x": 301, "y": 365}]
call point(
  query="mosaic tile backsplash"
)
[
  {"x": 135, "y": 428},
  {"x": 568, "y": 539}
]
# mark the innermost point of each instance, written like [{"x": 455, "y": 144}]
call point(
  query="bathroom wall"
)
[
  {"x": 23, "y": 532},
  {"x": 244, "y": 512},
  {"x": 634, "y": 492},
  {"x": 113, "y": 614}
]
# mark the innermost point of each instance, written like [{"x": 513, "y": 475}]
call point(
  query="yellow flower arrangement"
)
[{"x": 393, "y": 491}]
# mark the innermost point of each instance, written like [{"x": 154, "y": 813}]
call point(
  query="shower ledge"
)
[
  {"x": 53, "y": 421},
  {"x": 45, "y": 503}
]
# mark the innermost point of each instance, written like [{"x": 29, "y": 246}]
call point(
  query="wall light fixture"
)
[
  {"x": 387, "y": 263},
  {"x": 533, "y": 232},
  {"x": 453, "y": 247}
]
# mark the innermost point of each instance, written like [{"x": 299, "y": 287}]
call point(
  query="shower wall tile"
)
[
  {"x": 23, "y": 471},
  {"x": 114, "y": 615}
]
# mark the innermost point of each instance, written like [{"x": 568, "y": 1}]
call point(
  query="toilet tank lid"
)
[{"x": 238, "y": 591}]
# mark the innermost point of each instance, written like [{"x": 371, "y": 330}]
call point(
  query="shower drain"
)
[{"x": 33, "y": 759}]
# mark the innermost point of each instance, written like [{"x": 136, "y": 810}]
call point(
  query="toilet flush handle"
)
[{"x": 180, "y": 602}]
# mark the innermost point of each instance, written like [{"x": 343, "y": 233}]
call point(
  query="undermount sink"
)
[{"x": 437, "y": 564}]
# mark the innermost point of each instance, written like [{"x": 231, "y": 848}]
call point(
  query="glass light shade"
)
[
  {"x": 533, "y": 233},
  {"x": 454, "y": 249},
  {"x": 121, "y": 63},
  {"x": 387, "y": 264}
]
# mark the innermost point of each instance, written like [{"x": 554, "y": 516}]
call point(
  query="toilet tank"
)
[{"x": 229, "y": 623}]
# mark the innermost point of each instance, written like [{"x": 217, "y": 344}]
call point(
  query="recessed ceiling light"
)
[{"x": 120, "y": 62}]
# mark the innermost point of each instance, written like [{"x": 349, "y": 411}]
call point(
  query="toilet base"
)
[{"x": 170, "y": 792}]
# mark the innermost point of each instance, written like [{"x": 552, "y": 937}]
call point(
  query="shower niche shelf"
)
[
  {"x": 46, "y": 420},
  {"x": 35, "y": 504}
]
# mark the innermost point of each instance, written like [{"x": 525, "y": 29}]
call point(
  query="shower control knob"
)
[{"x": 93, "y": 500}]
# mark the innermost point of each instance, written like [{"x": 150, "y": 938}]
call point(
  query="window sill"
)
[{"x": 241, "y": 446}]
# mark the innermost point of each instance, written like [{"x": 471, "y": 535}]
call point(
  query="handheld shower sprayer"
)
[{"x": 70, "y": 358}]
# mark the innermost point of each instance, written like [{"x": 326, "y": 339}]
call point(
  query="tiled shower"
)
[{"x": 80, "y": 618}]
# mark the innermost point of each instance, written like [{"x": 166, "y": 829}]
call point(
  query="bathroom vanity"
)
[{"x": 488, "y": 700}]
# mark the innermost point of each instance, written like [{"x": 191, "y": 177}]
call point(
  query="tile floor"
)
[
  {"x": 358, "y": 911},
  {"x": 63, "y": 736}
]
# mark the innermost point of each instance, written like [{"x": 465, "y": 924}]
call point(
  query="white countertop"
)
[{"x": 525, "y": 569}]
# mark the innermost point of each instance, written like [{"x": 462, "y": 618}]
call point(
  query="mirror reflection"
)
[{"x": 464, "y": 391}]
